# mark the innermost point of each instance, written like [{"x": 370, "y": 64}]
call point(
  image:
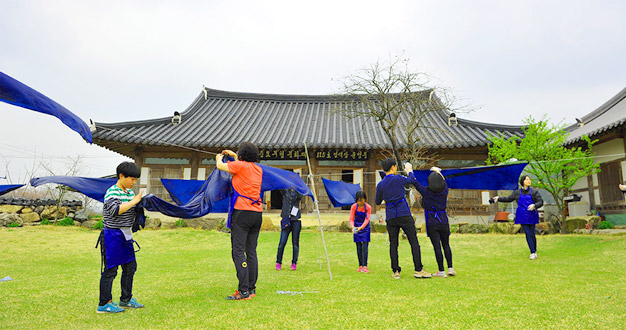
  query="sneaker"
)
[
  {"x": 293, "y": 266},
  {"x": 440, "y": 273},
  {"x": 360, "y": 269},
  {"x": 132, "y": 303},
  {"x": 252, "y": 293},
  {"x": 365, "y": 270},
  {"x": 422, "y": 274},
  {"x": 396, "y": 275},
  {"x": 451, "y": 271},
  {"x": 239, "y": 296},
  {"x": 533, "y": 256},
  {"x": 278, "y": 266},
  {"x": 110, "y": 307}
]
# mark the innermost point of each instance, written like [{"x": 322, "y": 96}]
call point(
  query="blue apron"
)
[
  {"x": 119, "y": 251},
  {"x": 438, "y": 215},
  {"x": 394, "y": 205},
  {"x": 364, "y": 234},
  {"x": 522, "y": 215},
  {"x": 233, "y": 200}
]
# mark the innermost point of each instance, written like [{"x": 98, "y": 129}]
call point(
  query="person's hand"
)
[
  {"x": 137, "y": 197},
  {"x": 531, "y": 207},
  {"x": 495, "y": 199},
  {"x": 219, "y": 157},
  {"x": 435, "y": 169},
  {"x": 622, "y": 187},
  {"x": 355, "y": 230},
  {"x": 408, "y": 168},
  {"x": 229, "y": 153}
]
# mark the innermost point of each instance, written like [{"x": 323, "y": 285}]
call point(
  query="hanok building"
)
[
  {"x": 607, "y": 124},
  {"x": 184, "y": 146}
]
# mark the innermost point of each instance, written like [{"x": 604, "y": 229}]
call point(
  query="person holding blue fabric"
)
[
  {"x": 245, "y": 215},
  {"x": 119, "y": 213},
  {"x": 434, "y": 201},
  {"x": 360, "y": 213},
  {"x": 398, "y": 215},
  {"x": 290, "y": 223},
  {"x": 528, "y": 201}
]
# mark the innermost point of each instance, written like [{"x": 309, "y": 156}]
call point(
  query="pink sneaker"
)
[
  {"x": 293, "y": 266},
  {"x": 278, "y": 265},
  {"x": 360, "y": 269},
  {"x": 365, "y": 270}
]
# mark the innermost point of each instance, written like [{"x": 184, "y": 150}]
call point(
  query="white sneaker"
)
[
  {"x": 440, "y": 274},
  {"x": 451, "y": 271},
  {"x": 533, "y": 256}
]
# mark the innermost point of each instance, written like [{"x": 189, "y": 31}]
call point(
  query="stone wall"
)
[{"x": 32, "y": 212}]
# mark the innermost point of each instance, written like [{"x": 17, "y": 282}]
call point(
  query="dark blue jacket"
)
[
  {"x": 433, "y": 202},
  {"x": 391, "y": 190}
]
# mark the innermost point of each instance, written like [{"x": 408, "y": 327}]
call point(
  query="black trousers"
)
[
  {"x": 244, "y": 236},
  {"x": 294, "y": 228},
  {"x": 106, "y": 282},
  {"x": 439, "y": 235},
  {"x": 393, "y": 229},
  {"x": 361, "y": 252}
]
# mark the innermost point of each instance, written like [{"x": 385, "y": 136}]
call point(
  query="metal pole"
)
[{"x": 317, "y": 208}]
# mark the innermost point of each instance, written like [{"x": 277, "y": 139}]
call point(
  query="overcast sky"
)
[{"x": 114, "y": 61}]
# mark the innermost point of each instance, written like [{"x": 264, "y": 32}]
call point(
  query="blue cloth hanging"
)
[
  {"x": 18, "y": 94},
  {"x": 341, "y": 193},
  {"x": 6, "y": 188}
]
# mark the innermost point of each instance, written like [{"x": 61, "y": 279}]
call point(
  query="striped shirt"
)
[{"x": 114, "y": 197}]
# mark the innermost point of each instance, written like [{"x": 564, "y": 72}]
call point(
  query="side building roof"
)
[
  {"x": 609, "y": 115},
  {"x": 222, "y": 119}
]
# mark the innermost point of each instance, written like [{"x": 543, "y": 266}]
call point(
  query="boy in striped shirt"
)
[{"x": 119, "y": 214}]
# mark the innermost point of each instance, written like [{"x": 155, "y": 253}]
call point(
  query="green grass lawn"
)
[{"x": 183, "y": 276}]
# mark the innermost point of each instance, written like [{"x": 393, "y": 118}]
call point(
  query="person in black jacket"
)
[
  {"x": 290, "y": 223},
  {"x": 528, "y": 201}
]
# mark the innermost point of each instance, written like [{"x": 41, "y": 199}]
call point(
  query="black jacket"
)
[{"x": 515, "y": 197}]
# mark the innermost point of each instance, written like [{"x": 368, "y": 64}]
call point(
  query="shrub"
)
[
  {"x": 95, "y": 217},
  {"x": 14, "y": 224},
  {"x": 66, "y": 222},
  {"x": 98, "y": 225},
  {"x": 45, "y": 221},
  {"x": 180, "y": 223},
  {"x": 605, "y": 225}
]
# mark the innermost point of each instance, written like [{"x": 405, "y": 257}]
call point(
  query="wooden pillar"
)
[
  {"x": 139, "y": 160},
  {"x": 195, "y": 164},
  {"x": 371, "y": 165}
]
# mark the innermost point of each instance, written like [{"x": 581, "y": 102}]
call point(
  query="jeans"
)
[
  {"x": 531, "y": 239},
  {"x": 244, "y": 236},
  {"x": 294, "y": 228},
  {"x": 106, "y": 282},
  {"x": 393, "y": 229},
  {"x": 361, "y": 252},
  {"x": 439, "y": 235}
]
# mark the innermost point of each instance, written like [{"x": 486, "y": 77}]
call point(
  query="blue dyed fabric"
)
[
  {"x": 183, "y": 191},
  {"x": 341, "y": 193},
  {"x": 95, "y": 188},
  {"x": 6, "y": 188},
  {"x": 499, "y": 177},
  {"x": 16, "y": 93}
]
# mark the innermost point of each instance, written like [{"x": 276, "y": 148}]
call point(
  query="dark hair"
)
[
  {"x": 129, "y": 169},
  {"x": 248, "y": 152},
  {"x": 388, "y": 163},
  {"x": 436, "y": 182},
  {"x": 360, "y": 194},
  {"x": 522, "y": 178}
]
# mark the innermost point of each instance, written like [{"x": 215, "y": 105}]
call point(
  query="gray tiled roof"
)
[
  {"x": 224, "y": 119},
  {"x": 609, "y": 115}
]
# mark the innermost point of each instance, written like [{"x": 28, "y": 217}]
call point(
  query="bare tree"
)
[
  {"x": 399, "y": 100},
  {"x": 73, "y": 167}
]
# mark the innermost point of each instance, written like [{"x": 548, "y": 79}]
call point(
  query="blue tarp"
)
[
  {"x": 211, "y": 196},
  {"x": 183, "y": 191},
  {"x": 95, "y": 188},
  {"x": 16, "y": 93},
  {"x": 218, "y": 187},
  {"x": 5, "y": 188},
  {"x": 341, "y": 193},
  {"x": 499, "y": 177}
]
